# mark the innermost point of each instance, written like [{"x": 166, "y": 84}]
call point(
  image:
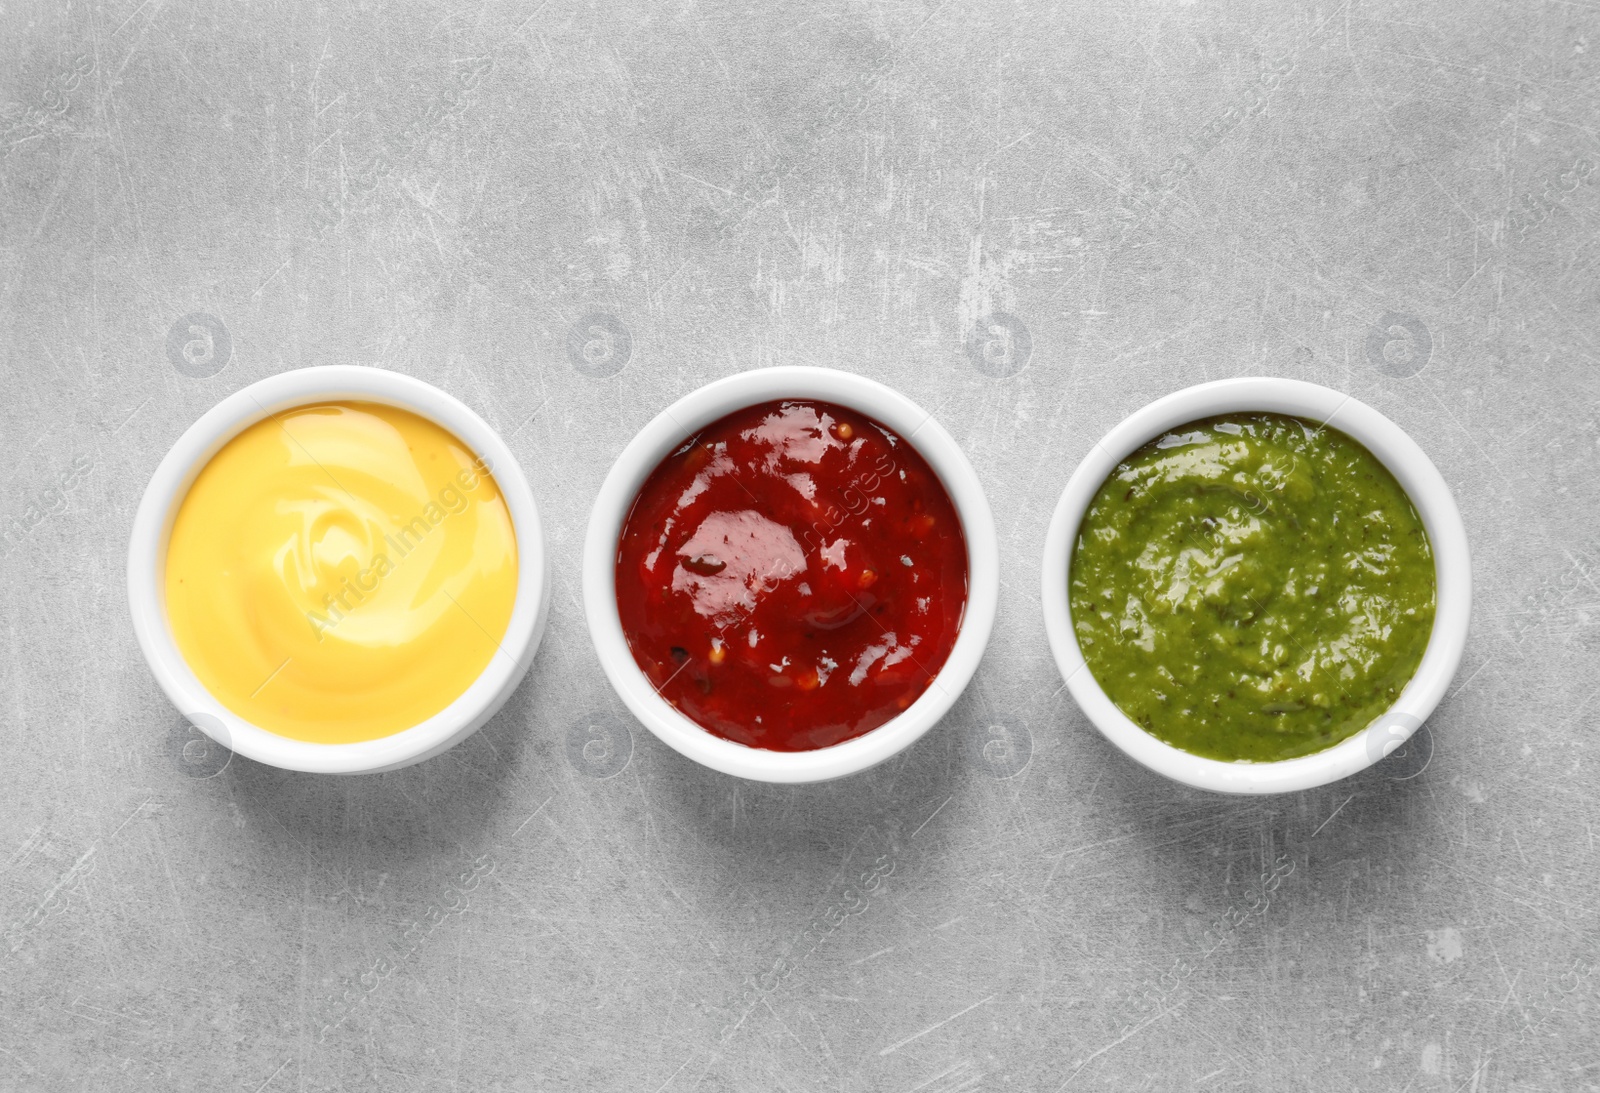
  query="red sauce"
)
[{"x": 792, "y": 577}]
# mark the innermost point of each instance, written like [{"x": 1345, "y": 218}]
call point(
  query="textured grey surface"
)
[{"x": 513, "y": 202}]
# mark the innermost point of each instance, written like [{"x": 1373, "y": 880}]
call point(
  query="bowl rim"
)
[
  {"x": 669, "y": 429},
  {"x": 1417, "y": 475},
  {"x": 169, "y": 485}
]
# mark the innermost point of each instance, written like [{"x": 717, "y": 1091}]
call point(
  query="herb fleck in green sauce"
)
[{"x": 1253, "y": 587}]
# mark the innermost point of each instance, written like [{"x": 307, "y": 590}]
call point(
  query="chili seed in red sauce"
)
[{"x": 792, "y": 577}]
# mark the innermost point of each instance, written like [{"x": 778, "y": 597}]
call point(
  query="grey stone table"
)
[{"x": 1031, "y": 218}]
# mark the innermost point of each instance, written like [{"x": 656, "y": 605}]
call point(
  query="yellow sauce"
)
[{"x": 341, "y": 571}]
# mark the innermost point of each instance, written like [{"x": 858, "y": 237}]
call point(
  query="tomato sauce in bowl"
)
[{"x": 792, "y": 577}]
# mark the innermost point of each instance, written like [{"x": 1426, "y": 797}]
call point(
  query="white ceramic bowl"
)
[
  {"x": 1415, "y": 473},
  {"x": 152, "y": 528},
  {"x": 667, "y": 432}
]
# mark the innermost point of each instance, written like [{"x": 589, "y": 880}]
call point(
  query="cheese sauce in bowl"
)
[
  {"x": 341, "y": 571},
  {"x": 338, "y": 570}
]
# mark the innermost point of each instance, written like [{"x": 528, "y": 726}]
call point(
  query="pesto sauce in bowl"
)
[{"x": 1253, "y": 586}]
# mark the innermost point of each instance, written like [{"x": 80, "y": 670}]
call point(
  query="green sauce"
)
[{"x": 1252, "y": 587}]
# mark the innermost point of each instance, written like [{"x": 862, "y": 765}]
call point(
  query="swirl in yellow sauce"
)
[{"x": 341, "y": 571}]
